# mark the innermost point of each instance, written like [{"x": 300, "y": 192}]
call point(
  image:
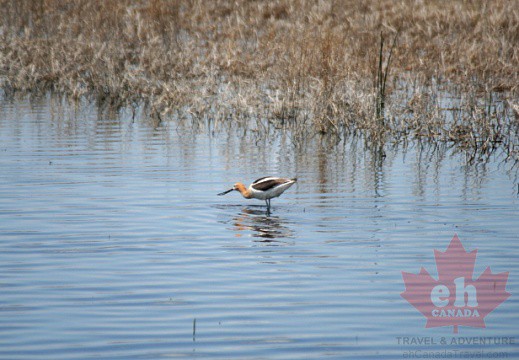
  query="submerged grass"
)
[{"x": 314, "y": 67}]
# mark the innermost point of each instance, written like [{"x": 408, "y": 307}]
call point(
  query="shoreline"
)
[{"x": 448, "y": 70}]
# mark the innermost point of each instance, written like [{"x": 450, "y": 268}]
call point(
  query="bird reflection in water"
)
[{"x": 270, "y": 230}]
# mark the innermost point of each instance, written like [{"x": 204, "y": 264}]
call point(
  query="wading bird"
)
[{"x": 264, "y": 188}]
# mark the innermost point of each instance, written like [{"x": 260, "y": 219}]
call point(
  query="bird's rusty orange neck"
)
[{"x": 243, "y": 190}]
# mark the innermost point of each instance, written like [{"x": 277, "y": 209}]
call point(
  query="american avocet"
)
[{"x": 264, "y": 188}]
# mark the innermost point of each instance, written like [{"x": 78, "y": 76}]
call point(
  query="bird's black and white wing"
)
[{"x": 269, "y": 182}]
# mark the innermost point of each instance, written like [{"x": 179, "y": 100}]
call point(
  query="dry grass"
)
[{"x": 310, "y": 66}]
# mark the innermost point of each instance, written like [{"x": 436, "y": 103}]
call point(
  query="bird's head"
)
[{"x": 238, "y": 187}]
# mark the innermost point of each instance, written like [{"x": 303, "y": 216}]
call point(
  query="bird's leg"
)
[{"x": 267, "y": 201}]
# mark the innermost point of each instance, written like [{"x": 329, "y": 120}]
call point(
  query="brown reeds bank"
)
[{"x": 442, "y": 70}]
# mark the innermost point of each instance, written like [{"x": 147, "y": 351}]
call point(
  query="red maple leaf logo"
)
[{"x": 455, "y": 298}]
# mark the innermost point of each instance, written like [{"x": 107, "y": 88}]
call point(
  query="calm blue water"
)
[{"x": 113, "y": 241}]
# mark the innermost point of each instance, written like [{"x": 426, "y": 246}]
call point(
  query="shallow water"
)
[{"x": 113, "y": 241}]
